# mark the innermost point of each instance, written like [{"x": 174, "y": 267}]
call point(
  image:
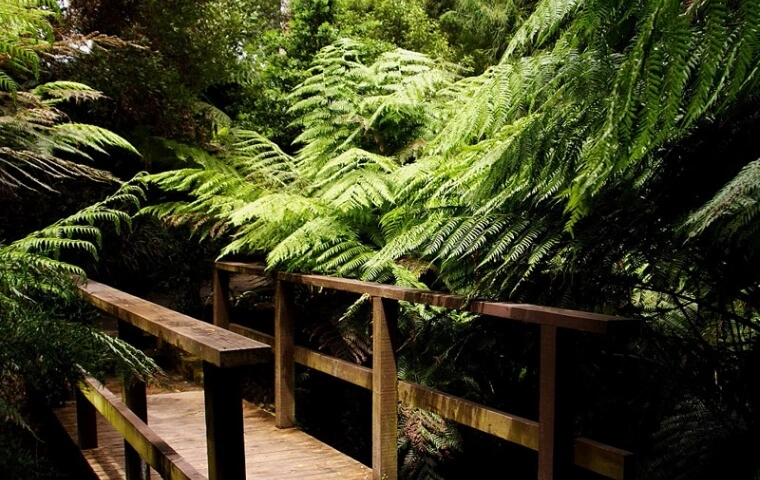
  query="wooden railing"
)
[
  {"x": 223, "y": 354},
  {"x": 551, "y": 435}
]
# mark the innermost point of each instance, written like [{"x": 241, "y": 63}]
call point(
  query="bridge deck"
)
[{"x": 271, "y": 453}]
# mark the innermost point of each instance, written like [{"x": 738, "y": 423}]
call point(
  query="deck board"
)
[{"x": 271, "y": 453}]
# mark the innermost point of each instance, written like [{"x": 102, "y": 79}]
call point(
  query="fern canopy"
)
[
  {"x": 604, "y": 163},
  {"x": 494, "y": 179}
]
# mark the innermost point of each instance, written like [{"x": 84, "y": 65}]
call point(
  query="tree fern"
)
[
  {"x": 36, "y": 143},
  {"x": 551, "y": 177},
  {"x": 735, "y": 206},
  {"x": 37, "y": 293}
]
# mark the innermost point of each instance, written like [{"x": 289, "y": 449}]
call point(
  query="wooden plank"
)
[
  {"x": 133, "y": 394},
  {"x": 607, "y": 461},
  {"x": 224, "y": 423},
  {"x": 384, "y": 391},
  {"x": 560, "y": 317},
  {"x": 271, "y": 453},
  {"x": 342, "y": 369},
  {"x": 252, "y": 334},
  {"x": 242, "y": 267},
  {"x": 554, "y": 412},
  {"x": 597, "y": 457},
  {"x": 149, "y": 445},
  {"x": 212, "y": 344},
  {"x": 134, "y": 397},
  {"x": 87, "y": 427},
  {"x": 284, "y": 364},
  {"x": 186, "y": 409},
  {"x": 503, "y": 425},
  {"x": 564, "y": 318},
  {"x": 221, "y": 298},
  {"x": 546, "y": 408},
  {"x": 594, "y": 456}
]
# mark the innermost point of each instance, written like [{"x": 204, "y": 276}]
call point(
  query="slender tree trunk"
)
[{"x": 285, "y": 15}]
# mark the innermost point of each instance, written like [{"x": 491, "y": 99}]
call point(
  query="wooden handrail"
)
[
  {"x": 549, "y": 435},
  {"x": 157, "y": 453},
  {"x": 212, "y": 344},
  {"x": 558, "y": 317},
  {"x": 222, "y": 352},
  {"x": 597, "y": 457}
]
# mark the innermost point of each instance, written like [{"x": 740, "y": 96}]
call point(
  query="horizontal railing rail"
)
[
  {"x": 147, "y": 444},
  {"x": 550, "y": 435},
  {"x": 550, "y": 316},
  {"x": 223, "y": 353}
]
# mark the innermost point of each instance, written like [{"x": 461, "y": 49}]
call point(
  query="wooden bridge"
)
[{"x": 218, "y": 436}]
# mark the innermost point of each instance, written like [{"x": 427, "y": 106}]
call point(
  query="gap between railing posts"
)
[
  {"x": 551, "y": 435},
  {"x": 223, "y": 354}
]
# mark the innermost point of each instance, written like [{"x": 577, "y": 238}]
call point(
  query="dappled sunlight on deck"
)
[{"x": 178, "y": 418}]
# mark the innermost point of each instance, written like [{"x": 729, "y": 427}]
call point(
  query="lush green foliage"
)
[
  {"x": 171, "y": 55},
  {"x": 43, "y": 345},
  {"x": 405, "y": 24},
  {"x": 45, "y": 338},
  {"x": 575, "y": 173},
  {"x": 578, "y": 168},
  {"x": 480, "y": 30}
]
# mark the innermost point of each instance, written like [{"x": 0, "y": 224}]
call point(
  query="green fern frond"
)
[
  {"x": 737, "y": 202},
  {"x": 73, "y": 137},
  {"x": 544, "y": 22},
  {"x": 61, "y": 91}
]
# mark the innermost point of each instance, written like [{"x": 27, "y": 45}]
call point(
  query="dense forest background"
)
[{"x": 590, "y": 154}]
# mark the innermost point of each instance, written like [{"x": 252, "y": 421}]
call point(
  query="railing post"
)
[
  {"x": 384, "y": 390},
  {"x": 224, "y": 422},
  {"x": 87, "y": 426},
  {"x": 555, "y": 448},
  {"x": 284, "y": 363},
  {"x": 221, "y": 298},
  {"x": 134, "y": 396}
]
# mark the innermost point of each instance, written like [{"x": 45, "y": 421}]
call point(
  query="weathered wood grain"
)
[
  {"x": 559, "y": 317},
  {"x": 284, "y": 364},
  {"x": 550, "y": 437},
  {"x": 342, "y": 369},
  {"x": 87, "y": 427},
  {"x": 503, "y": 425},
  {"x": 144, "y": 440},
  {"x": 271, "y": 453},
  {"x": 384, "y": 391},
  {"x": 242, "y": 267},
  {"x": 249, "y": 332},
  {"x": 133, "y": 394},
  {"x": 554, "y": 415},
  {"x": 212, "y": 344},
  {"x": 597, "y": 457},
  {"x": 223, "y": 398},
  {"x": 603, "y": 459}
]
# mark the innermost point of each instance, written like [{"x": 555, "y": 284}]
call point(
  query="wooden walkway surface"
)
[{"x": 178, "y": 418}]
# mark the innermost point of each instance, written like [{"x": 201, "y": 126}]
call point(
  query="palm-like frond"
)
[{"x": 36, "y": 142}]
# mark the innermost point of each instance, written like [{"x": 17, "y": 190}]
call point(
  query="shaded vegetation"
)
[{"x": 591, "y": 154}]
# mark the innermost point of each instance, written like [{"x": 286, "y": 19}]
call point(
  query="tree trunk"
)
[{"x": 285, "y": 15}]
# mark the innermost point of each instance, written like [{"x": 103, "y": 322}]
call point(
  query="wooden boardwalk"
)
[{"x": 178, "y": 418}]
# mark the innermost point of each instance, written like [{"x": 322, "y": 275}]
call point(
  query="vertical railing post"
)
[
  {"x": 554, "y": 412},
  {"x": 284, "y": 363},
  {"x": 87, "y": 426},
  {"x": 134, "y": 395},
  {"x": 221, "y": 298},
  {"x": 224, "y": 422},
  {"x": 384, "y": 390}
]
